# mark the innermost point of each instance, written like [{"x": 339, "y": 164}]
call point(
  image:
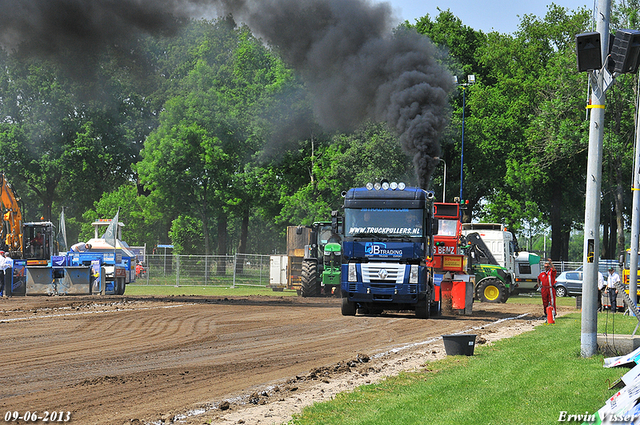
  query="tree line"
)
[{"x": 207, "y": 138}]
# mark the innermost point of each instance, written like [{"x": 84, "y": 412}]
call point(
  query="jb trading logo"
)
[
  {"x": 380, "y": 248},
  {"x": 373, "y": 248}
]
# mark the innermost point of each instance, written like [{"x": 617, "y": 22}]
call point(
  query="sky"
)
[{"x": 488, "y": 15}]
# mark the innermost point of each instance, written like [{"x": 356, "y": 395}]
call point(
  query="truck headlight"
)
[
  {"x": 352, "y": 273},
  {"x": 413, "y": 276}
]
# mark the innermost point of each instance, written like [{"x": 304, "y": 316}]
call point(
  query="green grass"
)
[
  {"x": 166, "y": 290},
  {"x": 535, "y": 298},
  {"x": 616, "y": 323},
  {"x": 527, "y": 379}
]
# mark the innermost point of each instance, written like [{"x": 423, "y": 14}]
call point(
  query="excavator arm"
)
[{"x": 11, "y": 232}]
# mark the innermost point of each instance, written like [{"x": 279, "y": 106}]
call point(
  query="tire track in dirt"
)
[{"x": 135, "y": 359}]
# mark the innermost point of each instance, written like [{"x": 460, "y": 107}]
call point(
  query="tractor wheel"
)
[
  {"x": 491, "y": 290},
  {"x": 348, "y": 308},
  {"x": 310, "y": 285},
  {"x": 505, "y": 297}
]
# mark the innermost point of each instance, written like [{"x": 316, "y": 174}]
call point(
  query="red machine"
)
[{"x": 454, "y": 286}]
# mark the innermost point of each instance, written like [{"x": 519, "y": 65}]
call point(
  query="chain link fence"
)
[
  {"x": 224, "y": 270},
  {"x": 210, "y": 270}
]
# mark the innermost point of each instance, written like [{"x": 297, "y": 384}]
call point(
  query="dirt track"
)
[{"x": 115, "y": 360}]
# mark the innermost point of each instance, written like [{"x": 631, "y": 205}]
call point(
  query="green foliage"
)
[
  {"x": 230, "y": 140},
  {"x": 369, "y": 154},
  {"x": 524, "y": 129},
  {"x": 186, "y": 235},
  {"x": 58, "y": 142},
  {"x": 201, "y": 160},
  {"x": 140, "y": 225}
]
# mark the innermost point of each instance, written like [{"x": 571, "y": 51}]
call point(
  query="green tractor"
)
[
  {"x": 494, "y": 283},
  {"x": 322, "y": 261}
]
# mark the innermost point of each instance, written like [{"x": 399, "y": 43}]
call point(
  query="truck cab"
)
[
  {"x": 453, "y": 283},
  {"x": 386, "y": 240}
]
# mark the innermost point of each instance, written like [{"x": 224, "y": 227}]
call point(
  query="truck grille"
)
[{"x": 383, "y": 272}]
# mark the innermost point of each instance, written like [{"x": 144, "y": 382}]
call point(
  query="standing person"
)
[
  {"x": 547, "y": 283},
  {"x": 611, "y": 288},
  {"x": 600, "y": 288},
  {"x": 7, "y": 267},
  {"x": 2, "y": 273}
]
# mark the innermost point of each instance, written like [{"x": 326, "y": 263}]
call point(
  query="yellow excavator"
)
[
  {"x": 11, "y": 233},
  {"x": 35, "y": 241}
]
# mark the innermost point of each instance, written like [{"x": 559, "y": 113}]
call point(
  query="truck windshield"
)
[
  {"x": 447, "y": 227},
  {"x": 384, "y": 221}
]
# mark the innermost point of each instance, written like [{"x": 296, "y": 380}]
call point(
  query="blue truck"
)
[{"x": 387, "y": 237}]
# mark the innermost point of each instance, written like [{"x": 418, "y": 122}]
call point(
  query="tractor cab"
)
[{"x": 39, "y": 242}]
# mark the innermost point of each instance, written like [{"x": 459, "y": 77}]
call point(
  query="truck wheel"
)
[
  {"x": 423, "y": 307},
  {"x": 310, "y": 285},
  {"x": 117, "y": 286},
  {"x": 491, "y": 291},
  {"x": 348, "y": 308},
  {"x": 423, "y": 310}
]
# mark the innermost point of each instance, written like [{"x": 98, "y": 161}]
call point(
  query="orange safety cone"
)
[{"x": 550, "y": 315}]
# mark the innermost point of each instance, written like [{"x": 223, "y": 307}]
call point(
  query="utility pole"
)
[
  {"x": 635, "y": 213},
  {"x": 589, "y": 344}
]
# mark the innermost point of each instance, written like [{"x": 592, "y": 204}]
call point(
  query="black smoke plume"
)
[{"x": 354, "y": 63}]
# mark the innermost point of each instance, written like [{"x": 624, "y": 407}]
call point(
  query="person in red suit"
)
[{"x": 547, "y": 284}]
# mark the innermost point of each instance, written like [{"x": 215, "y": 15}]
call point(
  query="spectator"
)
[
  {"x": 601, "y": 286},
  {"x": 2, "y": 259},
  {"x": 7, "y": 268},
  {"x": 611, "y": 288},
  {"x": 81, "y": 247}
]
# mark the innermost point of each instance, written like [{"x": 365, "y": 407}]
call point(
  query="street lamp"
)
[
  {"x": 444, "y": 178},
  {"x": 471, "y": 79}
]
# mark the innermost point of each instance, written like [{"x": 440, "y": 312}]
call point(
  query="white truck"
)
[
  {"x": 499, "y": 241},
  {"x": 524, "y": 266},
  {"x": 527, "y": 271}
]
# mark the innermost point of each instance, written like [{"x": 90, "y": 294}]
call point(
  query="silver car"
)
[{"x": 569, "y": 283}]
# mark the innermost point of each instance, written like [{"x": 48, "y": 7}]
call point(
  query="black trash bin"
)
[{"x": 459, "y": 345}]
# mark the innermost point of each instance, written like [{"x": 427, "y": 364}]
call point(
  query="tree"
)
[
  {"x": 55, "y": 141},
  {"x": 141, "y": 226},
  {"x": 201, "y": 161},
  {"x": 370, "y": 154}
]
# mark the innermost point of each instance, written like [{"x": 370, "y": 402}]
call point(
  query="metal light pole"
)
[
  {"x": 635, "y": 214},
  {"x": 444, "y": 179},
  {"x": 591, "y": 253},
  {"x": 470, "y": 80}
]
